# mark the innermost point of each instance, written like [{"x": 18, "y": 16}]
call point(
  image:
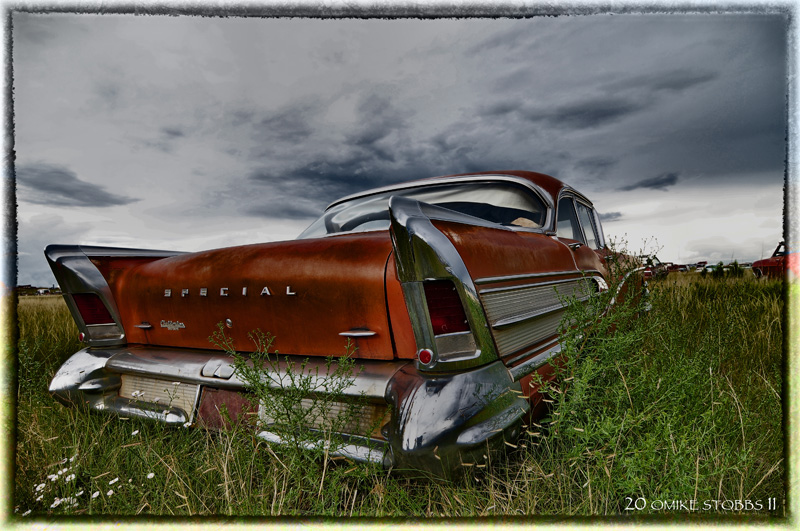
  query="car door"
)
[{"x": 576, "y": 227}]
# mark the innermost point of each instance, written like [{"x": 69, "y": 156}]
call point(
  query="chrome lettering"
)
[
  {"x": 289, "y": 291},
  {"x": 244, "y": 292},
  {"x": 223, "y": 292},
  {"x": 168, "y": 293},
  {"x": 203, "y": 292},
  {"x": 265, "y": 291},
  {"x": 172, "y": 325},
  {"x": 184, "y": 292}
]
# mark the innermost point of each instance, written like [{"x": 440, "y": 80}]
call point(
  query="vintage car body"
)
[
  {"x": 777, "y": 265},
  {"x": 654, "y": 268},
  {"x": 452, "y": 289}
]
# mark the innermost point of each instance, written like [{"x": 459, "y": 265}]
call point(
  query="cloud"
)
[
  {"x": 589, "y": 113},
  {"x": 48, "y": 184},
  {"x": 662, "y": 182},
  {"x": 611, "y": 216},
  {"x": 675, "y": 80}
]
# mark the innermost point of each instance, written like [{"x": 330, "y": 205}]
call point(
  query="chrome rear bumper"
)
[{"x": 437, "y": 423}]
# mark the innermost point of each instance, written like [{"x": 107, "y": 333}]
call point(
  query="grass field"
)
[{"x": 678, "y": 412}]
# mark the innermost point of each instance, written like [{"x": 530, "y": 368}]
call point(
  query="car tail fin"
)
[{"x": 86, "y": 290}]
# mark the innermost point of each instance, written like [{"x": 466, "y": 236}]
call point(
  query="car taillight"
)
[
  {"x": 445, "y": 308},
  {"x": 92, "y": 309}
]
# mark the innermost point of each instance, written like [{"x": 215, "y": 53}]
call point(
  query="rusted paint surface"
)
[
  {"x": 315, "y": 289},
  {"x": 223, "y": 409}
]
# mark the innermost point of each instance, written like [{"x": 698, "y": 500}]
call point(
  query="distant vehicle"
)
[
  {"x": 654, "y": 268},
  {"x": 775, "y": 265},
  {"x": 700, "y": 265},
  {"x": 681, "y": 268}
]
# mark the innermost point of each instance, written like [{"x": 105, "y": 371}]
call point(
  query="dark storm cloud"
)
[
  {"x": 596, "y": 165},
  {"x": 290, "y": 125},
  {"x": 661, "y": 182},
  {"x": 610, "y": 216},
  {"x": 47, "y": 184},
  {"x": 676, "y": 80},
  {"x": 587, "y": 114},
  {"x": 173, "y": 132}
]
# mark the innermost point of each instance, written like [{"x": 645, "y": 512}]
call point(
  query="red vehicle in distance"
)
[{"x": 776, "y": 265}]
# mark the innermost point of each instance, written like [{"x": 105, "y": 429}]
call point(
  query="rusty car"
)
[{"x": 451, "y": 288}]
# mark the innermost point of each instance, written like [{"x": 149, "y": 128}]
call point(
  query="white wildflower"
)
[
  {"x": 95, "y": 494},
  {"x": 71, "y": 459},
  {"x": 40, "y": 497},
  {"x": 135, "y": 432},
  {"x": 69, "y": 478},
  {"x": 110, "y": 493},
  {"x": 113, "y": 481},
  {"x": 187, "y": 424},
  {"x": 40, "y": 486},
  {"x": 176, "y": 383},
  {"x": 130, "y": 481},
  {"x": 150, "y": 475},
  {"x": 81, "y": 492},
  {"x": 156, "y": 399},
  {"x": 26, "y": 513},
  {"x": 52, "y": 477},
  {"x": 56, "y": 503}
]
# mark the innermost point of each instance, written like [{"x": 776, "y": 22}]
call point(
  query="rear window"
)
[{"x": 502, "y": 203}]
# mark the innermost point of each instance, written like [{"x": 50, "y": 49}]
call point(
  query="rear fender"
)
[{"x": 76, "y": 274}]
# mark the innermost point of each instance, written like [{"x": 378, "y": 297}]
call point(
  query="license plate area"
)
[{"x": 163, "y": 394}]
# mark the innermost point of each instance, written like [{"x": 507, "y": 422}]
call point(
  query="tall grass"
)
[{"x": 683, "y": 403}]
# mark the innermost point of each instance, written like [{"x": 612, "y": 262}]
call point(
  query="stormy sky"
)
[{"x": 191, "y": 133}]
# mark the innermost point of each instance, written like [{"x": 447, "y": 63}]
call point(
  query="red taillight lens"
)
[
  {"x": 445, "y": 308},
  {"x": 92, "y": 309}
]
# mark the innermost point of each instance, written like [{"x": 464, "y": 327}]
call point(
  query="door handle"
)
[{"x": 575, "y": 245}]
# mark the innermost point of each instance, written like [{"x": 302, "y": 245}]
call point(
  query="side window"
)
[
  {"x": 567, "y": 222},
  {"x": 599, "y": 226},
  {"x": 585, "y": 215}
]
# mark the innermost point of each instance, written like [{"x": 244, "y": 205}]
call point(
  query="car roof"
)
[{"x": 545, "y": 184}]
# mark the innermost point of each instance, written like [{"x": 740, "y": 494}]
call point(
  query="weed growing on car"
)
[
  {"x": 679, "y": 407},
  {"x": 303, "y": 410}
]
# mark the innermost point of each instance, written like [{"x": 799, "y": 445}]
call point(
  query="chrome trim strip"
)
[
  {"x": 523, "y": 276},
  {"x": 531, "y": 351},
  {"x": 521, "y": 318},
  {"x": 373, "y": 451},
  {"x": 524, "y": 369},
  {"x": 535, "y": 284},
  {"x": 187, "y": 365},
  {"x": 358, "y": 333}
]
